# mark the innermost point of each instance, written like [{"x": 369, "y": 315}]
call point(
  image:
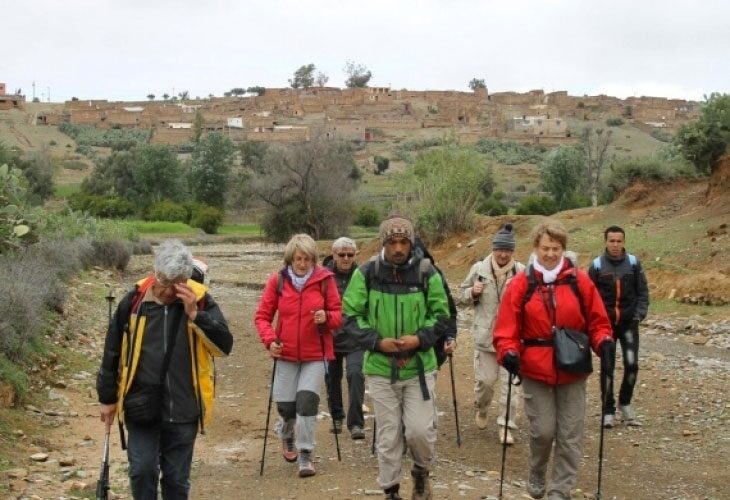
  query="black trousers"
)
[
  {"x": 628, "y": 335},
  {"x": 355, "y": 387}
]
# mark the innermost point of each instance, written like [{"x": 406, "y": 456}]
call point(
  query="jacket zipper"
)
[
  {"x": 617, "y": 305},
  {"x": 299, "y": 327}
]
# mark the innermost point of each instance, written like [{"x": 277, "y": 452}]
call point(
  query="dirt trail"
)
[{"x": 682, "y": 450}]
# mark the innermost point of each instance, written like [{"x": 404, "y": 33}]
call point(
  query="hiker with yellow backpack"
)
[{"x": 157, "y": 371}]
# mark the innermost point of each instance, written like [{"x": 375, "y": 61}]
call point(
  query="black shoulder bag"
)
[
  {"x": 143, "y": 406},
  {"x": 572, "y": 349}
]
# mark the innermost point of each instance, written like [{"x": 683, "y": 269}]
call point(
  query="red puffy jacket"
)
[
  {"x": 537, "y": 362},
  {"x": 295, "y": 325}
]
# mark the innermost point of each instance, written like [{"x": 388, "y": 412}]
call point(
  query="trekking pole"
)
[
  {"x": 600, "y": 445},
  {"x": 506, "y": 427},
  {"x": 110, "y": 302},
  {"x": 375, "y": 428},
  {"x": 102, "y": 485},
  {"x": 268, "y": 417},
  {"x": 321, "y": 329},
  {"x": 453, "y": 398}
]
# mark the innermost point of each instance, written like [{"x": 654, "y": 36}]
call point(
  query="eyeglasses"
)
[
  {"x": 167, "y": 282},
  {"x": 344, "y": 254}
]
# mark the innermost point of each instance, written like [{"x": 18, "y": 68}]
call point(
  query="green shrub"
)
[
  {"x": 167, "y": 210},
  {"x": 101, "y": 206},
  {"x": 661, "y": 135},
  {"x": 628, "y": 170},
  {"x": 509, "y": 152},
  {"x": 74, "y": 165},
  {"x": 492, "y": 206},
  {"x": 208, "y": 219},
  {"x": 367, "y": 216},
  {"x": 614, "y": 122},
  {"x": 381, "y": 164},
  {"x": 116, "y": 138},
  {"x": 536, "y": 205},
  {"x": 52, "y": 143},
  {"x": 111, "y": 254}
]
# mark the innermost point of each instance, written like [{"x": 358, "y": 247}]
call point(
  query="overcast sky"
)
[{"x": 126, "y": 49}]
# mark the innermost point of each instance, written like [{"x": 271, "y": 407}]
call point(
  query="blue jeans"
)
[{"x": 166, "y": 448}]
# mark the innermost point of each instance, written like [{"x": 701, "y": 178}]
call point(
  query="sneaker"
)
[
  {"x": 628, "y": 414},
  {"x": 421, "y": 485},
  {"x": 608, "y": 421},
  {"x": 306, "y": 466},
  {"x": 357, "y": 432},
  {"x": 536, "y": 485},
  {"x": 336, "y": 427},
  {"x": 481, "y": 419},
  {"x": 287, "y": 450},
  {"x": 509, "y": 439},
  {"x": 392, "y": 493}
]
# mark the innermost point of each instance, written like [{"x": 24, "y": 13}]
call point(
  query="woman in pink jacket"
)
[
  {"x": 523, "y": 334},
  {"x": 305, "y": 297}
]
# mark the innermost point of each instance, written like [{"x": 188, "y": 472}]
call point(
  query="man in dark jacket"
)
[
  {"x": 622, "y": 284},
  {"x": 157, "y": 371},
  {"x": 342, "y": 264}
]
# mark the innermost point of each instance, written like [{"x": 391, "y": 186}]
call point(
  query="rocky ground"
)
[{"x": 681, "y": 451}]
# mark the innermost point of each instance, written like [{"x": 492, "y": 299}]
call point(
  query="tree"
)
[
  {"x": 321, "y": 79},
  {"x": 198, "y": 125},
  {"x": 258, "y": 90},
  {"x": 238, "y": 91},
  {"x": 477, "y": 83},
  {"x": 165, "y": 96},
  {"x": 227, "y": 94},
  {"x": 157, "y": 175},
  {"x": 561, "y": 172},
  {"x": 303, "y": 77},
  {"x": 381, "y": 164},
  {"x": 113, "y": 176},
  {"x": 307, "y": 188},
  {"x": 358, "y": 75},
  {"x": 705, "y": 140},
  {"x": 442, "y": 190},
  {"x": 595, "y": 144},
  {"x": 184, "y": 95},
  {"x": 151, "y": 97},
  {"x": 38, "y": 168},
  {"x": 210, "y": 170}
]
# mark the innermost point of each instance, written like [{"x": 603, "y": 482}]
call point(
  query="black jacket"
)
[
  {"x": 623, "y": 288},
  {"x": 344, "y": 343}
]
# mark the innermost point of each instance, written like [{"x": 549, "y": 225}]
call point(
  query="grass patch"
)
[
  {"x": 665, "y": 307},
  {"x": 243, "y": 229},
  {"x": 160, "y": 227},
  {"x": 66, "y": 190}
]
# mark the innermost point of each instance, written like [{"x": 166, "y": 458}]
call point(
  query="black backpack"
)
[{"x": 446, "y": 327}]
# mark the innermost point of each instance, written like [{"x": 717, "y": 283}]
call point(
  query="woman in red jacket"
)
[
  {"x": 523, "y": 336},
  {"x": 305, "y": 297}
]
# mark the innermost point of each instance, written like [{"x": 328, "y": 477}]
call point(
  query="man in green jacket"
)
[{"x": 396, "y": 308}]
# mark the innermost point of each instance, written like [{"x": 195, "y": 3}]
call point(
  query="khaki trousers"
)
[
  {"x": 400, "y": 408},
  {"x": 556, "y": 416},
  {"x": 486, "y": 374}
]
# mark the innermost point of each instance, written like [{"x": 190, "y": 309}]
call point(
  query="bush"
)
[
  {"x": 381, "y": 164},
  {"x": 115, "y": 138},
  {"x": 74, "y": 165},
  {"x": 111, "y": 254},
  {"x": 628, "y": 170},
  {"x": 536, "y": 205},
  {"x": 167, "y": 210},
  {"x": 509, "y": 152},
  {"x": 367, "y": 216},
  {"x": 208, "y": 219},
  {"x": 614, "y": 122},
  {"x": 102, "y": 206},
  {"x": 661, "y": 135},
  {"x": 492, "y": 206}
]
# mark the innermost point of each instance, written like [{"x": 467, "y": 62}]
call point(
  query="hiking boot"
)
[
  {"x": 392, "y": 493},
  {"x": 357, "y": 432},
  {"x": 536, "y": 485},
  {"x": 287, "y": 450},
  {"x": 306, "y": 466},
  {"x": 608, "y": 421},
  {"x": 481, "y": 419},
  {"x": 628, "y": 414},
  {"x": 509, "y": 439},
  {"x": 421, "y": 485},
  {"x": 336, "y": 427}
]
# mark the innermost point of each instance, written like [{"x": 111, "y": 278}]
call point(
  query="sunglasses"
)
[{"x": 343, "y": 255}]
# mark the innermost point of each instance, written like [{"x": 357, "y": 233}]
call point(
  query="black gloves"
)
[
  {"x": 608, "y": 356},
  {"x": 511, "y": 363}
]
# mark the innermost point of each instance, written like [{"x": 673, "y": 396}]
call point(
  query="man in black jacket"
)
[
  {"x": 157, "y": 371},
  {"x": 342, "y": 264},
  {"x": 622, "y": 284}
]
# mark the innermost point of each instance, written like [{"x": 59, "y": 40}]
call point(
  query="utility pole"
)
[
  {"x": 49, "y": 93},
  {"x": 33, "y": 90}
]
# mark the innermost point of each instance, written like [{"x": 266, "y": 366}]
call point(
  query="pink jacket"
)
[{"x": 295, "y": 325}]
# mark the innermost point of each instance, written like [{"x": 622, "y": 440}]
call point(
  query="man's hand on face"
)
[
  {"x": 409, "y": 343},
  {"x": 388, "y": 345},
  {"x": 187, "y": 296}
]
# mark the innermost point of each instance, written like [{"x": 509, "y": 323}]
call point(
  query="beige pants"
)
[
  {"x": 556, "y": 415},
  {"x": 398, "y": 406},
  {"x": 486, "y": 374}
]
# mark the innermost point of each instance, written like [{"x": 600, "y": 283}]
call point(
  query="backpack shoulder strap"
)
[
  {"x": 573, "y": 282},
  {"x": 423, "y": 275},
  {"x": 531, "y": 286},
  {"x": 279, "y": 284},
  {"x": 597, "y": 263},
  {"x": 632, "y": 261}
]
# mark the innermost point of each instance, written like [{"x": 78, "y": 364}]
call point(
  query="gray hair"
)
[
  {"x": 173, "y": 260},
  {"x": 342, "y": 243}
]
